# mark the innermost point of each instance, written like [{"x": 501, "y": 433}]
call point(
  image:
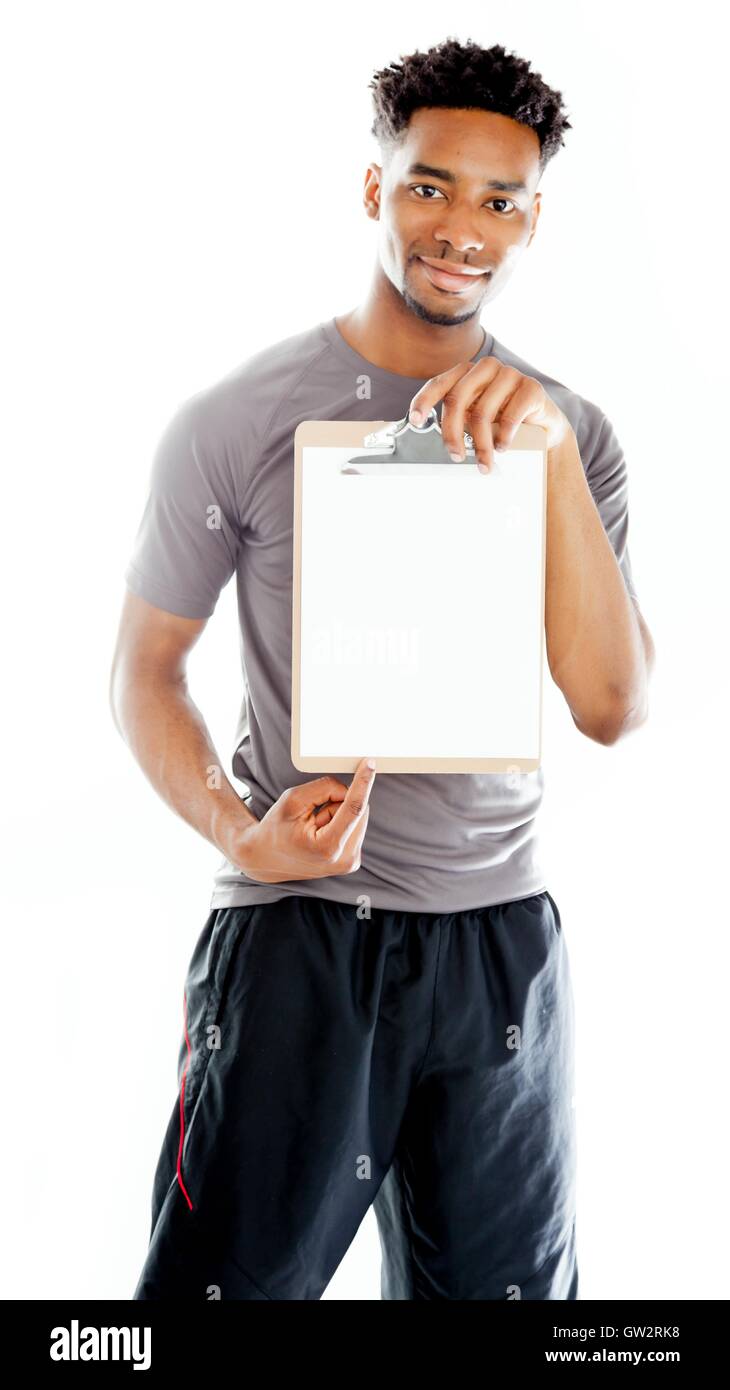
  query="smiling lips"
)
[{"x": 457, "y": 278}]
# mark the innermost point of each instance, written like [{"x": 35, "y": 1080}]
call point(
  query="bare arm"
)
[
  {"x": 163, "y": 727},
  {"x": 599, "y": 648},
  {"x": 155, "y": 714}
]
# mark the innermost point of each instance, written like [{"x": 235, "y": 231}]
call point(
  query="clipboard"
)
[{"x": 418, "y": 600}]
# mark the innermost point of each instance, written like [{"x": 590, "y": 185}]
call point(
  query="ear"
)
[{"x": 371, "y": 191}]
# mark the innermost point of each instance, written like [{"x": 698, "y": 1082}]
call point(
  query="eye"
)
[
  {"x": 414, "y": 186},
  {"x": 504, "y": 200}
]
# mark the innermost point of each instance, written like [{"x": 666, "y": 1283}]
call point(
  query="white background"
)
[{"x": 150, "y": 150}]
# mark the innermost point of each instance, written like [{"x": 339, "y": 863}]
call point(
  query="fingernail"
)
[
  {"x": 371, "y": 764},
  {"x": 416, "y": 417},
  {"x": 456, "y": 458}
]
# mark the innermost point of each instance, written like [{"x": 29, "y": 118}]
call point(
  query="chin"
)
[{"x": 440, "y": 317}]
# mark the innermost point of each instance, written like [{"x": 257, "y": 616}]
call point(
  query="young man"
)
[{"x": 379, "y": 1007}]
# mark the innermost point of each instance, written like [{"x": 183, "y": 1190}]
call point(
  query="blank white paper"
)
[{"x": 421, "y": 609}]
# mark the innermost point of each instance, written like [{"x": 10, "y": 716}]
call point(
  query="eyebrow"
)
[{"x": 503, "y": 185}]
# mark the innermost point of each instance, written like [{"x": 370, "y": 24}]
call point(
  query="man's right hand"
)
[{"x": 294, "y": 841}]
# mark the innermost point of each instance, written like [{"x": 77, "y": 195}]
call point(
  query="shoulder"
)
[{"x": 240, "y": 404}]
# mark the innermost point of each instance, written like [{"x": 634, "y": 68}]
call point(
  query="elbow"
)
[
  {"x": 616, "y": 723},
  {"x": 623, "y": 711},
  {"x": 629, "y": 714}
]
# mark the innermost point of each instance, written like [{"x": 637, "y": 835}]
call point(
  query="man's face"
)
[{"x": 439, "y": 199}]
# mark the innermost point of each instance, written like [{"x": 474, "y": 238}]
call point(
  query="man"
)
[{"x": 379, "y": 1008}]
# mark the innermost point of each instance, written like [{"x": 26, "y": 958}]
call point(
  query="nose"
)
[{"x": 460, "y": 233}]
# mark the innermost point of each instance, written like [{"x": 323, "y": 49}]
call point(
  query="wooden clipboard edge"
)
[{"x": 335, "y": 434}]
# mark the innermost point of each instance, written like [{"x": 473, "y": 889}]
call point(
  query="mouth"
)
[{"x": 458, "y": 279}]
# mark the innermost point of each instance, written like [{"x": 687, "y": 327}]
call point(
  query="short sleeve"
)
[
  {"x": 607, "y": 477},
  {"x": 187, "y": 542}
]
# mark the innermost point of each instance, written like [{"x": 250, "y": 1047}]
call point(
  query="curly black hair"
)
[{"x": 467, "y": 77}]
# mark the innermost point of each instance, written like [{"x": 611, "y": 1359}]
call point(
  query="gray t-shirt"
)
[{"x": 221, "y": 501}]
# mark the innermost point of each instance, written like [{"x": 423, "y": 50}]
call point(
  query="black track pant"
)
[{"x": 417, "y": 1061}]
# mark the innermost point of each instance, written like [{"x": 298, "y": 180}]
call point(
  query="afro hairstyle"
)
[{"x": 465, "y": 76}]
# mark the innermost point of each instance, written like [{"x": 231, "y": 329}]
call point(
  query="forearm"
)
[
  {"x": 594, "y": 644},
  {"x": 168, "y": 737}
]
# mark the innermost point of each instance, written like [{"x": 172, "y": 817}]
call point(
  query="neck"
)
[{"x": 391, "y": 336}]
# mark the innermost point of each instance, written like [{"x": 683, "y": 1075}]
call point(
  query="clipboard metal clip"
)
[{"x": 406, "y": 443}]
